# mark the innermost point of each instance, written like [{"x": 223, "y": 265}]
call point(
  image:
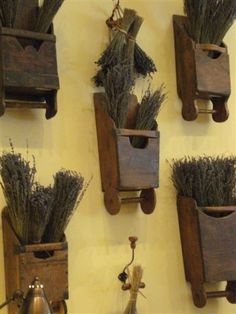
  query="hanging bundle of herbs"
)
[
  {"x": 209, "y": 21},
  {"x": 135, "y": 284},
  {"x": 115, "y": 53},
  {"x": 8, "y": 9},
  {"x": 46, "y": 14},
  {"x": 211, "y": 181},
  {"x": 38, "y": 213},
  {"x": 126, "y": 29}
]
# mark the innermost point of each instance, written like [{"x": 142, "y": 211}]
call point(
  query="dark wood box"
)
[
  {"x": 202, "y": 72},
  {"x": 208, "y": 237},
  {"x": 22, "y": 265},
  {"x": 124, "y": 167},
  {"x": 29, "y": 76}
]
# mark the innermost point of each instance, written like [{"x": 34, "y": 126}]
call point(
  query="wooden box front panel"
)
[
  {"x": 52, "y": 272},
  {"x": 212, "y": 75},
  {"x": 138, "y": 168},
  {"x": 218, "y": 242},
  {"x": 29, "y": 66}
]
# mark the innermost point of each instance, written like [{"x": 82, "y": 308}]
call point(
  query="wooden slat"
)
[
  {"x": 139, "y": 133},
  {"x": 27, "y": 34}
]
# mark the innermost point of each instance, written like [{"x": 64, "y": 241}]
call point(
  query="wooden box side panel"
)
[
  {"x": 27, "y": 66},
  {"x": 184, "y": 58},
  {"x": 138, "y": 168},
  {"x": 218, "y": 239},
  {"x": 190, "y": 240},
  {"x": 213, "y": 75},
  {"x": 106, "y": 145}
]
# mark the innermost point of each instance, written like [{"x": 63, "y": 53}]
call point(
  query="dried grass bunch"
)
[
  {"x": 38, "y": 213},
  {"x": 8, "y": 9},
  {"x": 135, "y": 283},
  {"x": 47, "y": 12},
  {"x": 209, "y": 20},
  {"x": 211, "y": 181},
  {"x": 148, "y": 111},
  {"x": 123, "y": 47}
]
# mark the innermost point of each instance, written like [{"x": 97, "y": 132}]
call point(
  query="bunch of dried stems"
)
[
  {"x": 118, "y": 84},
  {"x": 209, "y": 21},
  {"x": 38, "y": 213},
  {"x": 135, "y": 284},
  {"x": 8, "y": 9},
  {"x": 148, "y": 111},
  {"x": 125, "y": 32},
  {"x": 211, "y": 181},
  {"x": 17, "y": 184},
  {"x": 47, "y": 12},
  {"x": 66, "y": 189}
]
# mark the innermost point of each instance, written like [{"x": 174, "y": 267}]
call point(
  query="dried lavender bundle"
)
[
  {"x": 8, "y": 9},
  {"x": 67, "y": 187},
  {"x": 211, "y": 181},
  {"x": 148, "y": 112},
  {"x": 115, "y": 52},
  {"x": 40, "y": 211},
  {"x": 143, "y": 64},
  {"x": 46, "y": 15},
  {"x": 209, "y": 21},
  {"x": 135, "y": 284},
  {"x": 131, "y": 44},
  {"x": 17, "y": 182},
  {"x": 118, "y": 84}
]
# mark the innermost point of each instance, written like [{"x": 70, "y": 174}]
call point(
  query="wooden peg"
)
[{"x": 133, "y": 241}]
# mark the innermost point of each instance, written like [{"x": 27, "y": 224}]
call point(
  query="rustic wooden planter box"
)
[
  {"x": 208, "y": 237},
  {"x": 22, "y": 265},
  {"x": 200, "y": 76},
  {"x": 28, "y": 77},
  {"x": 124, "y": 167}
]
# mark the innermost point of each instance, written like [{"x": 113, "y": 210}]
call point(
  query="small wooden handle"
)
[
  {"x": 133, "y": 241},
  {"x": 211, "y": 47},
  {"x": 139, "y": 133}
]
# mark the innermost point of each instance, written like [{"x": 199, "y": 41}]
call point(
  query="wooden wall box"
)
[
  {"x": 200, "y": 76},
  {"x": 28, "y": 77},
  {"x": 28, "y": 63},
  {"x": 208, "y": 237},
  {"x": 123, "y": 167},
  {"x": 22, "y": 266}
]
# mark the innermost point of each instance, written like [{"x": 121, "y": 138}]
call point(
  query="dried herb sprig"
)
[
  {"x": 118, "y": 84},
  {"x": 40, "y": 211},
  {"x": 17, "y": 183},
  {"x": 67, "y": 187},
  {"x": 135, "y": 284},
  {"x": 209, "y": 21},
  {"x": 47, "y": 12},
  {"x": 211, "y": 181},
  {"x": 8, "y": 9},
  {"x": 148, "y": 112},
  {"x": 115, "y": 53}
]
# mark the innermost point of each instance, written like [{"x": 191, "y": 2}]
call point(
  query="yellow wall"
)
[{"x": 98, "y": 245}]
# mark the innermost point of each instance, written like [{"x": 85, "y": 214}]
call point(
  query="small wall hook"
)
[{"x": 124, "y": 275}]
